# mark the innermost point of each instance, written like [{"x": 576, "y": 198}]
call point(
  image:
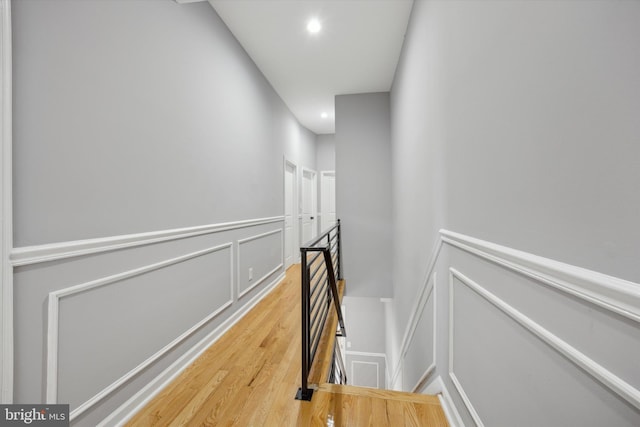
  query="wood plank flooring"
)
[{"x": 250, "y": 376}]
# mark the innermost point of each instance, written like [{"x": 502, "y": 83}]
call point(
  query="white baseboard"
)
[
  {"x": 438, "y": 387},
  {"x": 424, "y": 379},
  {"x": 128, "y": 409}
]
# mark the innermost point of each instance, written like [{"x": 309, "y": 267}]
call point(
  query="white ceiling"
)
[{"x": 356, "y": 51}]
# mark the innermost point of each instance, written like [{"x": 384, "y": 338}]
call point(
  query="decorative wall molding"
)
[
  {"x": 6, "y": 212},
  {"x": 369, "y": 354},
  {"x": 424, "y": 378},
  {"x": 365, "y": 354},
  {"x": 437, "y": 386},
  {"x": 581, "y": 360},
  {"x": 452, "y": 375},
  {"x": 614, "y": 294},
  {"x": 242, "y": 293},
  {"x": 55, "y": 251},
  {"x": 423, "y": 297},
  {"x": 393, "y": 380},
  {"x": 53, "y": 325},
  {"x": 138, "y": 401}
]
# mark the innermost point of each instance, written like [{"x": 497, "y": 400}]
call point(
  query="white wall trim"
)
[
  {"x": 138, "y": 401},
  {"x": 614, "y": 294},
  {"x": 421, "y": 302},
  {"x": 365, "y": 353},
  {"x": 314, "y": 198},
  {"x": 597, "y": 371},
  {"x": 370, "y": 354},
  {"x": 437, "y": 386},
  {"x": 6, "y": 230},
  {"x": 321, "y": 207},
  {"x": 55, "y": 251},
  {"x": 377, "y": 365},
  {"x": 424, "y": 379},
  {"x": 53, "y": 325},
  {"x": 397, "y": 374},
  {"x": 267, "y": 275},
  {"x": 452, "y": 375},
  {"x": 465, "y": 399}
]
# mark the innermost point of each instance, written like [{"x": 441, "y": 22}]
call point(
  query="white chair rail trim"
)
[
  {"x": 55, "y": 251},
  {"x": 614, "y": 294}
]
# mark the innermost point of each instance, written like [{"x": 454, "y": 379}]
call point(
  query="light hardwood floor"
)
[{"x": 250, "y": 376}]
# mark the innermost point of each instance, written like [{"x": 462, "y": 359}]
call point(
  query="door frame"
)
[
  {"x": 294, "y": 207},
  {"x": 6, "y": 197},
  {"x": 322, "y": 189},
  {"x": 314, "y": 198}
]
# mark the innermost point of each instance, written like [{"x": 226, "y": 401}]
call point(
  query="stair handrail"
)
[{"x": 331, "y": 261}]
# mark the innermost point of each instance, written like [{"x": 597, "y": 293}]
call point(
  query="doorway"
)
[
  {"x": 290, "y": 210},
  {"x": 327, "y": 199},
  {"x": 308, "y": 206}
]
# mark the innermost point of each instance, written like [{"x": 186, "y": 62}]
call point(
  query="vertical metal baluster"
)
[
  {"x": 304, "y": 393},
  {"x": 340, "y": 269}
]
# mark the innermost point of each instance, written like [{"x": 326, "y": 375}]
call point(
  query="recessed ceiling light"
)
[
  {"x": 314, "y": 26},
  {"x": 324, "y": 115}
]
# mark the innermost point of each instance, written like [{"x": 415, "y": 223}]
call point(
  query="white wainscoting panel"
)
[
  {"x": 370, "y": 358},
  {"x": 53, "y": 325},
  {"x": 612, "y": 293},
  {"x": 421, "y": 301},
  {"x": 277, "y": 253},
  {"x": 605, "y": 377},
  {"x": 431, "y": 369},
  {"x": 128, "y": 409},
  {"x": 452, "y": 375},
  {"x": 365, "y": 370}
]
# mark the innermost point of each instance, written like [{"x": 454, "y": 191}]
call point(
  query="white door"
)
[
  {"x": 327, "y": 199},
  {"x": 290, "y": 172},
  {"x": 308, "y": 206}
]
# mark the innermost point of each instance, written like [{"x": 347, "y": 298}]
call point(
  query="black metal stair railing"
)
[
  {"x": 321, "y": 267},
  {"x": 338, "y": 373}
]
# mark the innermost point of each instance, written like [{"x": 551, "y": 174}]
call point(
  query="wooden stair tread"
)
[{"x": 428, "y": 399}]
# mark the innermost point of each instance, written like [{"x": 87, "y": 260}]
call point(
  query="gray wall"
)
[
  {"x": 326, "y": 152},
  {"x": 170, "y": 93},
  {"x": 363, "y": 191},
  {"x": 129, "y": 117},
  {"x": 516, "y": 123}
]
